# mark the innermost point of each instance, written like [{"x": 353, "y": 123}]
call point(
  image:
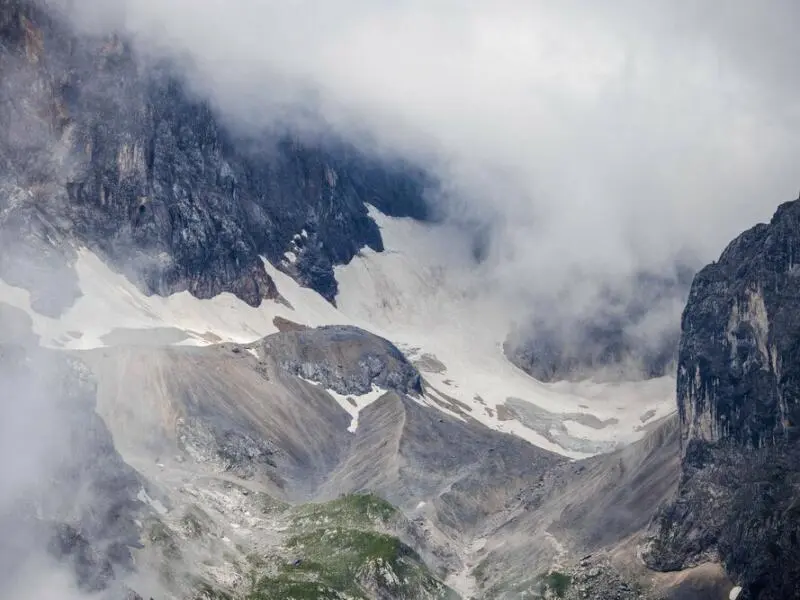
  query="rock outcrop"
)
[
  {"x": 347, "y": 360},
  {"x": 739, "y": 363},
  {"x": 738, "y": 386}
]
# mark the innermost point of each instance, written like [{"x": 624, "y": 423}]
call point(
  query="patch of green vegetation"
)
[
  {"x": 336, "y": 563},
  {"x": 353, "y": 511},
  {"x": 281, "y": 589},
  {"x": 557, "y": 582},
  {"x": 335, "y": 556},
  {"x": 339, "y": 550}
]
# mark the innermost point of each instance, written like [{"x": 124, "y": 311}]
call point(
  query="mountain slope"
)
[{"x": 192, "y": 419}]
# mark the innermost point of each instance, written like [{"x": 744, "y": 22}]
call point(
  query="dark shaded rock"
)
[
  {"x": 741, "y": 507},
  {"x": 98, "y": 146},
  {"x": 627, "y": 334},
  {"x": 739, "y": 363},
  {"x": 738, "y": 384},
  {"x": 92, "y": 570},
  {"x": 345, "y": 359}
]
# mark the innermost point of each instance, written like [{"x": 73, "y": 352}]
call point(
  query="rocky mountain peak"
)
[
  {"x": 739, "y": 360},
  {"x": 737, "y": 391}
]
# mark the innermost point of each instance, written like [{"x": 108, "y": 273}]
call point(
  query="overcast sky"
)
[{"x": 606, "y": 135}]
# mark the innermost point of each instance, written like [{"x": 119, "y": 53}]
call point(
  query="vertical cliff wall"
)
[{"x": 738, "y": 392}]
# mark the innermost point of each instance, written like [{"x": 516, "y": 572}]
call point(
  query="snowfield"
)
[{"x": 420, "y": 295}]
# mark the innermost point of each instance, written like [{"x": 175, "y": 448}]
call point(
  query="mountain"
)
[
  {"x": 162, "y": 190},
  {"x": 254, "y": 366},
  {"x": 739, "y": 414}
]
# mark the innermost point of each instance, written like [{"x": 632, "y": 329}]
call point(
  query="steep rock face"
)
[
  {"x": 739, "y": 363},
  {"x": 98, "y": 146},
  {"x": 345, "y": 359}
]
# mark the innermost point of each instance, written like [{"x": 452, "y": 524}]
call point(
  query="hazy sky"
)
[{"x": 605, "y": 135}]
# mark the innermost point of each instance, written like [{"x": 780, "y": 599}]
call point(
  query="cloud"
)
[{"x": 598, "y": 137}]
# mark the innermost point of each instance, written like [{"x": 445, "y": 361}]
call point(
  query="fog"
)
[
  {"x": 592, "y": 141},
  {"x": 613, "y": 137}
]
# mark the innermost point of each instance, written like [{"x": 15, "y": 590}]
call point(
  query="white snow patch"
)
[
  {"x": 584, "y": 432},
  {"x": 362, "y": 402},
  {"x": 353, "y": 405},
  {"x": 290, "y": 256},
  {"x": 110, "y": 303},
  {"x": 735, "y": 593},
  {"x": 156, "y": 505},
  {"x": 420, "y": 297}
]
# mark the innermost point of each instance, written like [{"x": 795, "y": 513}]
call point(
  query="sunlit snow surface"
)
[{"x": 418, "y": 294}]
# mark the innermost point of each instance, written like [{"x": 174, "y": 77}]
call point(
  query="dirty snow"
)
[
  {"x": 428, "y": 309},
  {"x": 418, "y": 293},
  {"x": 156, "y": 505}
]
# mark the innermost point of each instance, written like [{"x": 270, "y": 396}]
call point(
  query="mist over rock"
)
[
  {"x": 68, "y": 499},
  {"x": 738, "y": 373},
  {"x": 626, "y": 333},
  {"x": 104, "y": 148},
  {"x": 347, "y": 360}
]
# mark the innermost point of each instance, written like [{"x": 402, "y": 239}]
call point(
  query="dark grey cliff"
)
[
  {"x": 739, "y": 362},
  {"x": 99, "y": 148},
  {"x": 738, "y": 381}
]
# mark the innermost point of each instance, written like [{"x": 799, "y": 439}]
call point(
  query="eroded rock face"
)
[
  {"x": 100, "y": 148},
  {"x": 347, "y": 360},
  {"x": 738, "y": 400},
  {"x": 739, "y": 362}
]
